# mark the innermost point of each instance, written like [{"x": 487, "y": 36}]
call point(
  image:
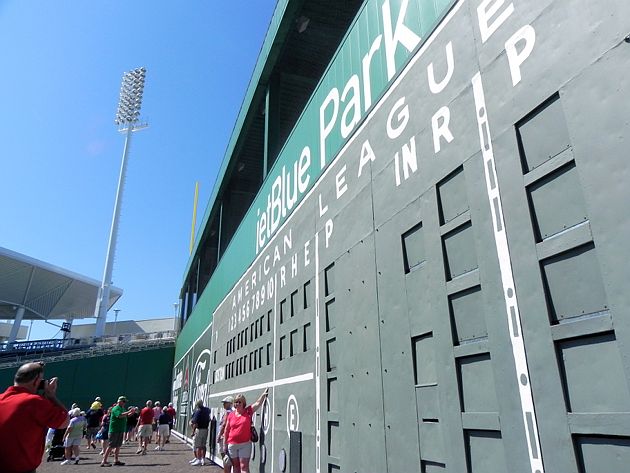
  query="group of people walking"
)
[
  {"x": 30, "y": 406},
  {"x": 235, "y": 432},
  {"x": 153, "y": 418},
  {"x": 114, "y": 427}
]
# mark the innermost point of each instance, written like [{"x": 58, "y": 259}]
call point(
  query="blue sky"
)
[{"x": 62, "y": 64}]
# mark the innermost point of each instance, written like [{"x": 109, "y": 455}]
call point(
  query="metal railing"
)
[
  {"x": 32, "y": 345},
  {"x": 16, "y": 353}
]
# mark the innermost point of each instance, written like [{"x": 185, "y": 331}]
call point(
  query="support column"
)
[{"x": 19, "y": 315}]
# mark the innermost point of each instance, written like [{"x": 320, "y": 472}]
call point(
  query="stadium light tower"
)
[{"x": 128, "y": 121}]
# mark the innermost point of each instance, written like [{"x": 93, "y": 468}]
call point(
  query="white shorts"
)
[
  {"x": 240, "y": 450},
  {"x": 163, "y": 430},
  {"x": 70, "y": 442},
  {"x": 146, "y": 430}
]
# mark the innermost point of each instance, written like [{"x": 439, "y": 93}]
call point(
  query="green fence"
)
[{"x": 139, "y": 375}]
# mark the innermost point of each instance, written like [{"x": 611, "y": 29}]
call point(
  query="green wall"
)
[
  {"x": 338, "y": 101},
  {"x": 139, "y": 375}
]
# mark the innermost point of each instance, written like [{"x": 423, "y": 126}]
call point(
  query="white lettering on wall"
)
[
  {"x": 526, "y": 35},
  {"x": 485, "y": 11}
]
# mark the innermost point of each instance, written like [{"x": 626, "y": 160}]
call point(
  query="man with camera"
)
[{"x": 25, "y": 415}]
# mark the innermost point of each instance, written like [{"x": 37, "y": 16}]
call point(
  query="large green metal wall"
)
[
  {"x": 337, "y": 106},
  {"x": 451, "y": 294},
  {"x": 139, "y": 375}
]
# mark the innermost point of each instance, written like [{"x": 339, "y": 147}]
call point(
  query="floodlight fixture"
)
[
  {"x": 128, "y": 121},
  {"x": 130, "y": 100}
]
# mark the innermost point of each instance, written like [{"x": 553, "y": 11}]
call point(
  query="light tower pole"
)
[
  {"x": 115, "y": 320},
  {"x": 128, "y": 121}
]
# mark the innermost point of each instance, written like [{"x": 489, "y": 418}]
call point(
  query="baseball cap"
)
[
  {"x": 228, "y": 399},
  {"x": 98, "y": 399},
  {"x": 122, "y": 398}
]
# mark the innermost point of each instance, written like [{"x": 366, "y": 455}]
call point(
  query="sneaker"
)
[
  {"x": 65, "y": 462},
  {"x": 106, "y": 464},
  {"x": 192, "y": 461},
  {"x": 144, "y": 452},
  {"x": 197, "y": 462},
  {"x": 203, "y": 461},
  {"x": 139, "y": 451},
  {"x": 76, "y": 462},
  {"x": 93, "y": 445},
  {"x": 157, "y": 448},
  {"x": 119, "y": 463}
]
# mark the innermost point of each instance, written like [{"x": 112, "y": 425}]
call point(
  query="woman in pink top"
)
[{"x": 238, "y": 431}]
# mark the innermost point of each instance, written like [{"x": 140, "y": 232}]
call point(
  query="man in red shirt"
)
[
  {"x": 25, "y": 416},
  {"x": 170, "y": 410},
  {"x": 145, "y": 429}
]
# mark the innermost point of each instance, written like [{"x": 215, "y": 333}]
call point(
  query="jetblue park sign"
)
[
  {"x": 364, "y": 67},
  {"x": 356, "y": 78}
]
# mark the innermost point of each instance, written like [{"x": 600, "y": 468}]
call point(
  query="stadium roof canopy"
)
[{"x": 44, "y": 290}]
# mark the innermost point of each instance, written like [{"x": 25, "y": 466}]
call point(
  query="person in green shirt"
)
[{"x": 117, "y": 428}]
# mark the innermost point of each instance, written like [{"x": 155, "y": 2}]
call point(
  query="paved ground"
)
[{"x": 174, "y": 459}]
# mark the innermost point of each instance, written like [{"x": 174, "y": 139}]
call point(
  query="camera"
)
[{"x": 42, "y": 385}]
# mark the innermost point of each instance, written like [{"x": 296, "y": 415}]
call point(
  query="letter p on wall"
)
[{"x": 525, "y": 38}]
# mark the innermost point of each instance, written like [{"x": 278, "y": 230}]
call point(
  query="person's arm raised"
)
[
  {"x": 50, "y": 393},
  {"x": 260, "y": 400}
]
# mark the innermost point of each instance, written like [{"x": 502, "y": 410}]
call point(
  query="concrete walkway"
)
[{"x": 174, "y": 459}]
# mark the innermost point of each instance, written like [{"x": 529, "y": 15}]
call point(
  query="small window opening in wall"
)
[
  {"x": 294, "y": 300},
  {"x": 283, "y": 340},
  {"x": 307, "y": 288},
  {"x": 283, "y": 310},
  {"x": 305, "y": 337},
  {"x": 413, "y": 248},
  {"x": 268, "y": 354},
  {"x": 293, "y": 342},
  {"x": 269, "y": 321},
  {"x": 329, "y": 280}
]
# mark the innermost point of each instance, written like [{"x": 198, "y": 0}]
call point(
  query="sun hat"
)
[
  {"x": 229, "y": 399},
  {"x": 122, "y": 398}
]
